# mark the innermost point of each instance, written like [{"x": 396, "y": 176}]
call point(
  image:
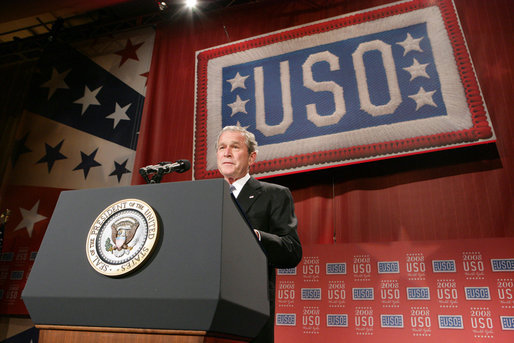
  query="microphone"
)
[
  {"x": 158, "y": 170},
  {"x": 179, "y": 166}
]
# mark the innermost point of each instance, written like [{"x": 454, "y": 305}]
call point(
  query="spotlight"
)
[
  {"x": 163, "y": 5},
  {"x": 191, "y": 3}
]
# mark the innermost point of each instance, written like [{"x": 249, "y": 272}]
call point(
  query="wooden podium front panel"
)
[{"x": 73, "y": 334}]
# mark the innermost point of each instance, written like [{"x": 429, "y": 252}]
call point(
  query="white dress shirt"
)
[{"x": 239, "y": 184}]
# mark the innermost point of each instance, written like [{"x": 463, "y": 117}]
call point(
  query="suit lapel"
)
[{"x": 250, "y": 192}]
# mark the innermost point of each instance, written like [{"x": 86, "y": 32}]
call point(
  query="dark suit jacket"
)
[{"x": 269, "y": 208}]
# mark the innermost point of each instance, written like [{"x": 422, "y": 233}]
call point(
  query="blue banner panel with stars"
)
[
  {"x": 368, "y": 85},
  {"x": 79, "y": 93}
]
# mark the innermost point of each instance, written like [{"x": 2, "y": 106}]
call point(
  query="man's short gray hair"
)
[{"x": 249, "y": 137}]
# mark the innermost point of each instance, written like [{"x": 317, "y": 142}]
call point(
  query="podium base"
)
[{"x": 86, "y": 334}]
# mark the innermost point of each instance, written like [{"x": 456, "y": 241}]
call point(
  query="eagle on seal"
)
[{"x": 122, "y": 232}]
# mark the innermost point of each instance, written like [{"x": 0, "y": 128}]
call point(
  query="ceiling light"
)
[
  {"x": 163, "y": 5},
  {"x": 191, "y": 3}
]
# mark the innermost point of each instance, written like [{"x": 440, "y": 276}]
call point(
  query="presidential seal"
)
[{"x": 122, "y": 237}]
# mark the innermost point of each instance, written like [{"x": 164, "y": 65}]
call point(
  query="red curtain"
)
[{"x": 460, "y": 193}]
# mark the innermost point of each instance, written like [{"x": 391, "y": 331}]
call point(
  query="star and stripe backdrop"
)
[{"x": 79, "y": 130}]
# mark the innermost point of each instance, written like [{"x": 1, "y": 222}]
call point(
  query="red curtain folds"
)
[{"x": 461, "y": 193}]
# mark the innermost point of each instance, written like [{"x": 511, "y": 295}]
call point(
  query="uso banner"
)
[
  {"x": 379, "y": 83},
  {"x": 436, "y": 291}
]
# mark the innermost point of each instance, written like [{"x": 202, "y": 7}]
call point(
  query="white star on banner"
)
[
  {"x": 88, "y": 99},
  {"x": 423, "y": 98},
  {"x": 410, "y": 44},
  {"x": 119, "y": 114},
  {"x": 238, "y": 106},
  {"x": 238, "y": 82},
  {"x": 417, "y": 69},
  {"x": 30, "y": 217},
  {"x": 56, "y": 81}
]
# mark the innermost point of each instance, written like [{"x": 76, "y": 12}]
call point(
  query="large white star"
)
[
  {"x": 119, "y": 114},
  {"x": 88, "y": 99},
  {"x": 238, "y": 106},
  {"x": 423, "y": 98},
  {"x": 238, "y": 82},
  {"x": 417, "y": 70},
  {"x": 56, "y": 81},
  {"x": 30, "y": 217},
  {"x": 410, "y": 44}
]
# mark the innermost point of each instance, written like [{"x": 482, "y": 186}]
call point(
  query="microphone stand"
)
[{"x": 155, "y": 178}]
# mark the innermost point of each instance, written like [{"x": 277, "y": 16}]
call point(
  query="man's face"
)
[{"x": 232, "y": 156}]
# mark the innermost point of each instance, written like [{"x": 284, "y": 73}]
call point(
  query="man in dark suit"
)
[{"x": 268, "y": 207}]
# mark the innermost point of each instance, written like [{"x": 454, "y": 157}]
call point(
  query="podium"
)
[{"x": 205, "y": 281}]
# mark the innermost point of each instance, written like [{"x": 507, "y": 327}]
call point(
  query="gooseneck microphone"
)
[{"x": 162, "y": 168}]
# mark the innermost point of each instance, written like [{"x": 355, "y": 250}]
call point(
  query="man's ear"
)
[{"x": 252, "y": 158}]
